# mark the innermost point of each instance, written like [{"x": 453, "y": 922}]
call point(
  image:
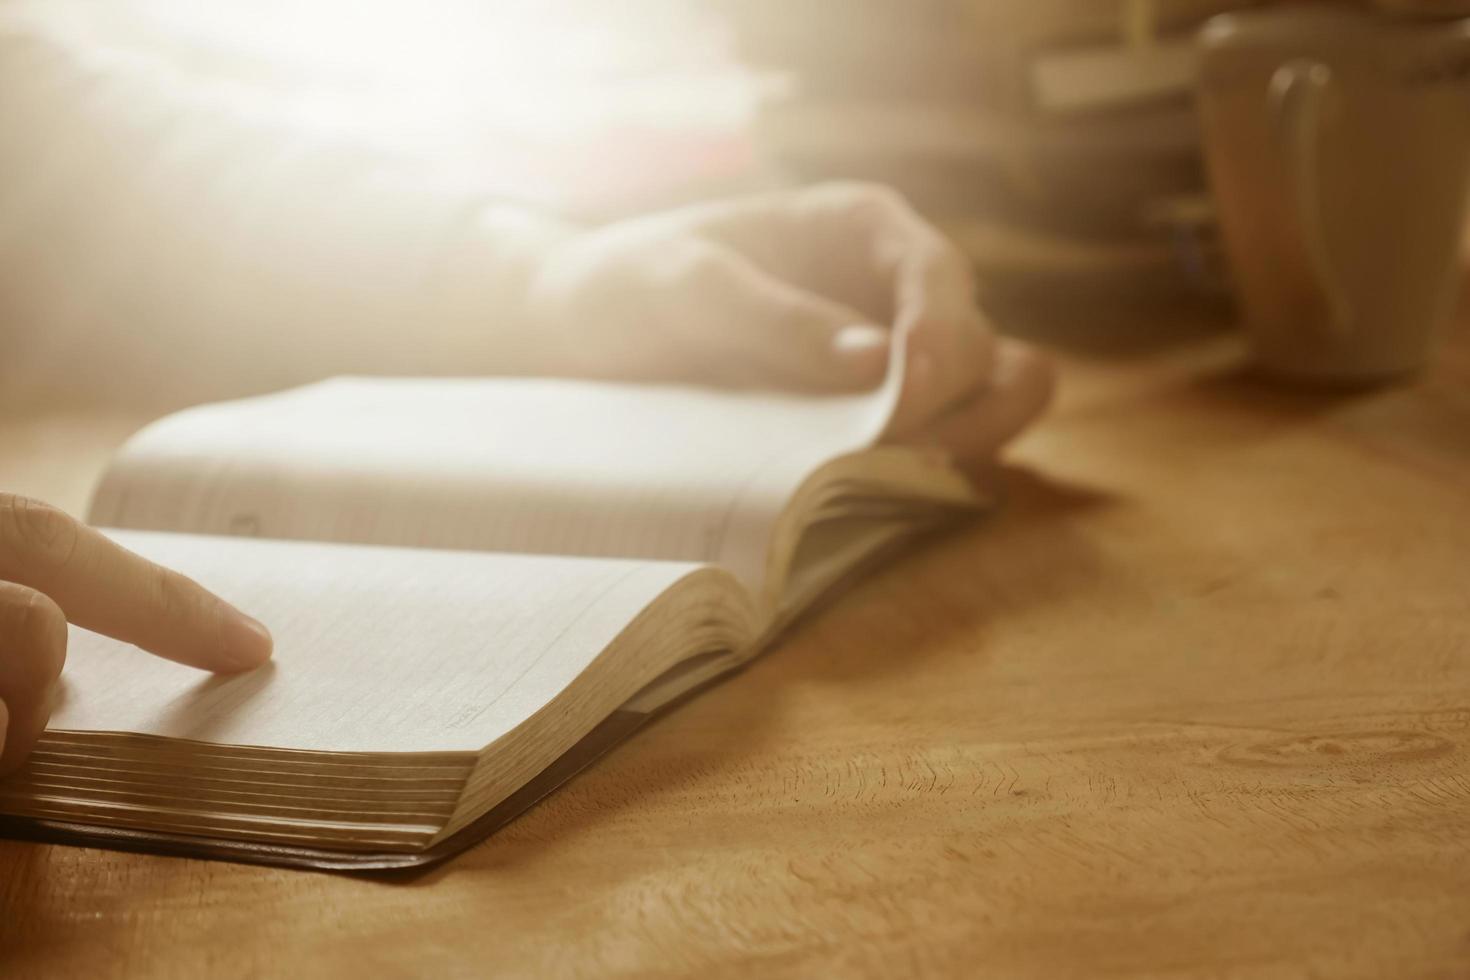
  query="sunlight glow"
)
[{"x": 514, "y": 96}]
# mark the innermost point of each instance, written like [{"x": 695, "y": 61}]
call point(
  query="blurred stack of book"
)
[{"x": 1053, "y": 138}]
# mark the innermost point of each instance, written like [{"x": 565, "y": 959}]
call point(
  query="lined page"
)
[
  {"x": 522, "y": 465},
  {"x": 377, "y": 649}
]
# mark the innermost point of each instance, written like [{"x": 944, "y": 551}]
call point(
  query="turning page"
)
[{"x": 513, "y": 465}]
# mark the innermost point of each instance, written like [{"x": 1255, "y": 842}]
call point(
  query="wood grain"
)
[{"x": 1197, "y": 704}]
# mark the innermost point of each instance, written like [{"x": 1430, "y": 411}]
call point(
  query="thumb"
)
[{"x": 765, "y": 331}]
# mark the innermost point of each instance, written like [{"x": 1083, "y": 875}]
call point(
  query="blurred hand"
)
[
  {"x": 807, "y": 290},
  {"x": 54, "y": 570}
]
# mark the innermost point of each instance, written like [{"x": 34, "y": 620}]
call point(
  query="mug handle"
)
[{"x": 1297, "y": 94}]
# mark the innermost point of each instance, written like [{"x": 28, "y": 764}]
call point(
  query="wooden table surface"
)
[{"x": 1197, "y": 704}]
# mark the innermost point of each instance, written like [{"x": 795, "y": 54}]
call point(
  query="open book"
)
[{"x": 475, "y": 587}]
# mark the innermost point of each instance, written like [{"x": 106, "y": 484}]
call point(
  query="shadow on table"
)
[
  {"x": 1112, "y": 331},
  {"x": 1247, "y": 386},
  {"x": 935, "y": 601}
]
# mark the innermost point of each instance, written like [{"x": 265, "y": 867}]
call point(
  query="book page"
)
[
  {"x": 377, "y": 649},
  {"x": 514, "y": 465}
]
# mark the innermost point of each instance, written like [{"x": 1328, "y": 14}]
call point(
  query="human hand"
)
[
  {"x": 807, "y": 290},
  {"x": 54, "y": 569}
]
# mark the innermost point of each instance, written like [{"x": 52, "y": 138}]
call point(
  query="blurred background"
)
[{"x": 1055, "y": 140}]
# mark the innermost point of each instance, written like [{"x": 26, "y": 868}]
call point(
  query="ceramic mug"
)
[{"x": 1338, "y": 147}]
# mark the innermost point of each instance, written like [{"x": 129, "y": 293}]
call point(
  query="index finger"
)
[{"x": 104, "y": 587}]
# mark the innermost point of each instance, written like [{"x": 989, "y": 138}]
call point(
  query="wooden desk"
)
[{"x": 1197, "y": 704}]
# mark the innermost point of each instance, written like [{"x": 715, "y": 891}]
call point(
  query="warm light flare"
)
[{"x": 425, "y": 69}]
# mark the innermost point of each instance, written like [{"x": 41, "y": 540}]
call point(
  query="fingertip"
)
[
  {"x": 1019, "y": 393},
  {"x": 247, "y": 643},
  {"x": 860, "y": 337},
  {"x": 21, "y": 729},
  {"x": 862, "y": 349},
  {"x": 920, "y": 371},
  {"x": 1021, "y": 367}
]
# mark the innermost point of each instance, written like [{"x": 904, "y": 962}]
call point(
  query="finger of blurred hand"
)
[
  {"x": 865, "y": 246},
  {"x": 846, "y": 240},
  {"x": 1020, "y": 388},
  {"x": 948, "y": 344},
  {"x": 752, "y": 328},
  {"x": 32, "y": 651},
  {"x": 101, "y": 586}
]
